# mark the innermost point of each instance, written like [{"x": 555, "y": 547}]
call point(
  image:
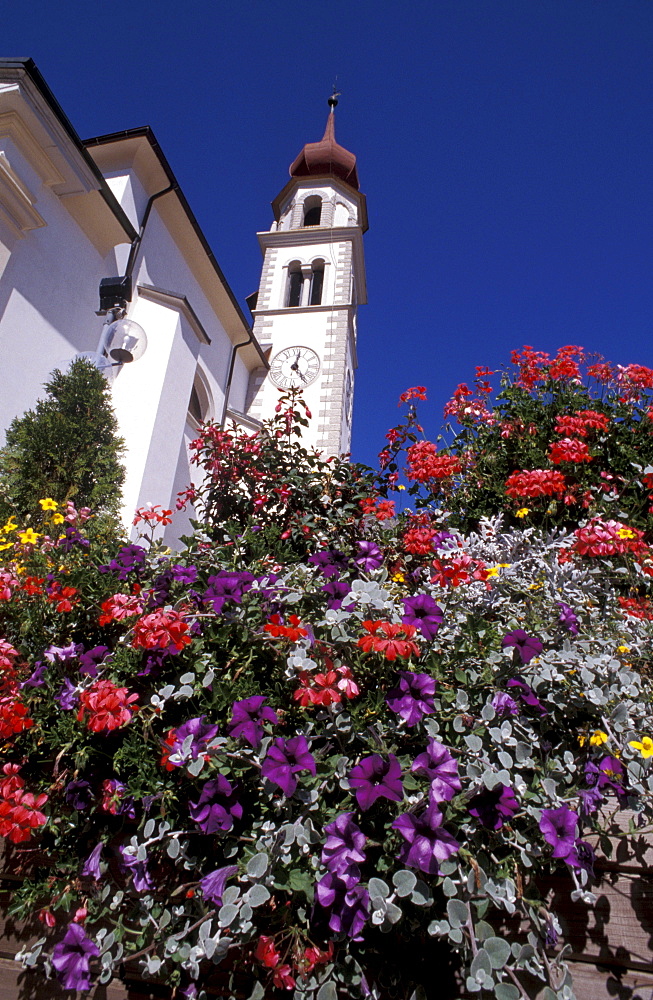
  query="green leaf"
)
[
  {"x": 257, "y": 895},
  {"x": 457, "y": 912},
  {"x": 499, "y": 951},
  {"x": 506, "y": 991},
  {"x": 404, "y": 882},
  {"x": 258, "y": 865},
  {"x": 481, "y": 963},
  {"x": 327, "y": 992},
  {"x": 377, "y": 887}
]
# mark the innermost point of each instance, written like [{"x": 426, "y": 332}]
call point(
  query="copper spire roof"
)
[{"x": 326, "y": 156}]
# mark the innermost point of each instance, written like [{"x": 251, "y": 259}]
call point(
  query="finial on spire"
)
[{"x": 333, "y": 100}]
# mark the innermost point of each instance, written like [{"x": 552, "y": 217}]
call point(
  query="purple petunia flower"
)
[
  {"x": 67, "y": 696},
  {"x": 369, "y": 556},
  {"x": 89, "y": 662},
  {"x": 344, "y": 844},
  {"x": 337, "y": 591},
  {"x": 422, "y": 612},
  {"x": 154, "y": 662},
  {"x": 589, "y": 800},
  {"x": 443, "y": 540},
  {"x": 428, "y": 844},
  {"x": 78, "y": 794},
  {"x": 567, "y": 618},
  {"x": 609, "y": 775},
  {"x": 212, "y": 885},
  {"x": 413, "y": 697},
  {"x": 527, "y": 646},
  {"x": 217, "y": 807},
  {"x": 184, "y": 574},
  {"x": 441, "y": 769},
  {"x": 347, "y": 901},
  {"x": 582, "y": 856},
  {"x": 559, "y": 828},
  {"x": 138, "y": 869},
  {"x": 503, "y": 704},
  {"x": 64, "y": 654},
  {"x": 247, "y": 719},
  {"x": 71, "y": 958},
  {"x": 72, "y": 537},
  {"x": 202, "y": 734},
  {"x": 37, "y": 678},
  {"x": 227, "y": 586},
  {"x": 527, "y": 696},
  {"x": 494, "y": 806},
  {"x": 129, "y": 559},
  {"x": 284, "y": 759},
  {"x": 376, "y": 778},
  {"x": 92, "y": 863},
  {"x": 330, "y": 562}
]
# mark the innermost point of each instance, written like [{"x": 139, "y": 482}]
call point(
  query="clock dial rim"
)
[{"x": 283, "y": 360}]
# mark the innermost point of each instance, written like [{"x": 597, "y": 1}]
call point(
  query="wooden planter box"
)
[{"x": 612, "y": 941}]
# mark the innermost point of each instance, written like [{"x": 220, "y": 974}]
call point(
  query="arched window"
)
[
  {"x": 317, "y": 283},
  {"x": 295, "y": 284},
  {"x": 199, "y": 404},
  {"x": 312, "y": 211}
]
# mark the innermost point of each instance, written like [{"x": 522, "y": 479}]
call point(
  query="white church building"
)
[{"x": 98, "y": 232}]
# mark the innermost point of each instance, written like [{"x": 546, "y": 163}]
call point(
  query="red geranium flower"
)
[
  {"x": 292, "y": 632},
  {"x": 569, "y": 450},
  {"x": 119, "y": 607},
  {"x": 161, "y": 630},
  {"x": 14, "y": 718},
  {"x": 425, "y": 464},
  {"x": 535, "y": 483},
  {"x": 394, "y": 641},
  {"x": 108, "y": 706}
]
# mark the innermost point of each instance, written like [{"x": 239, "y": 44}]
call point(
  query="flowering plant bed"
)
[{"x": 327, "y": 746}]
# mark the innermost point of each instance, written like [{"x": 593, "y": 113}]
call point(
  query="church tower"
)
[{"x": 312, "y": 282}]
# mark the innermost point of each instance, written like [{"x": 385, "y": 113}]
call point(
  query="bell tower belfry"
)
[{"x": 312, "y": 282}]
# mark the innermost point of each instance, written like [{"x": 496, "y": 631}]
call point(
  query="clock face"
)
[
  {"x": 294, "y": 367},
  {"x": 349, "y": 397}
]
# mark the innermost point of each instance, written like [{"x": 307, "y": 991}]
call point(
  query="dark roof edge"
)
[
  {"x": 31, "y": 69},
  {"x": 147, "y": 132}
]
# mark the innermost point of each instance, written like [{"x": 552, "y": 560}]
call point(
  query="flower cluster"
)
[{"x": 327, "y": 732}]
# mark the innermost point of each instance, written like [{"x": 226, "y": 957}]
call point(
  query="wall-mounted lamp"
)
[{"x": 124, "y": 341}]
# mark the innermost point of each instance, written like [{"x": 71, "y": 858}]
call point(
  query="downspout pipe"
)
[{"x": 133, "y": 250}]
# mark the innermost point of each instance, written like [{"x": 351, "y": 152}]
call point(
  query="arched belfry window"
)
[
  {"x": 317, "y": 283},
  {"x": 295, "y": 284},
  {"x": 312, "y": 211}
]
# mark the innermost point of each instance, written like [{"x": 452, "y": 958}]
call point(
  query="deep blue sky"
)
[{"x": 505, "y": 148}]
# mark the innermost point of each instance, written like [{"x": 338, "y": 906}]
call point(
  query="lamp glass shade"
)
[{"x": 124, "y": 341}]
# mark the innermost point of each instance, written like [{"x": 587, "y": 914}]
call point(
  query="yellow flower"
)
[
  {"x": 9, "y": 526},
  {"x": 57, "y": 518},
  {"x": 4, "y": 544},
  {"x": 28, "y": 537},
  {"x": 48, "y": 504},
  {"x": 491, "y": 571},
  {"x": 598, "y": 737},
  {"x": 400, "y": 487},
  {"x": 522, "y": 512},
  {"x": 645, "y": 747},
  {"x": 623, "y": 649},
  {"x": 399, "y": 578},
  {"x": 626, "y": 533}
]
